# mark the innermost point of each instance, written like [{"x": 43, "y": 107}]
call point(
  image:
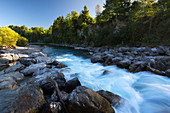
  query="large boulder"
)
[
  {"x": 48, "y": 87},
  {"x": 115, "y": 100},
  {"x": 27, "y": 99},
  {"x": 72, "y": 84},
  {"x": 33, "y": 68},
  {"x": 10, "y": 80},
  {"x": 85, "y": 100}
]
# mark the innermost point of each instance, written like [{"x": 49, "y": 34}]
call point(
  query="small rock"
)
[
  {"x": 167, "y": 73},
  {"x": 97, "y": 58},
  {"x": 57, "y": 64},
  {"x": 124, "y": 64}
]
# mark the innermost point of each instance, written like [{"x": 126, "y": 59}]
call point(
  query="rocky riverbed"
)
[
  {"x": 135, "y": 59},
  {"x": 25, "y": 89}
]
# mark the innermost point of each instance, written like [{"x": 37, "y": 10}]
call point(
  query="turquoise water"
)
[{"x": 144, "y": 92}]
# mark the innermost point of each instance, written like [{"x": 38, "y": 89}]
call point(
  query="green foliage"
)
[
  {"x": 8, "y": 36},
  {"x": 121, "y": 22},
  {"x": 22, "y": 41},
  {"x": 11, "y": 38}
]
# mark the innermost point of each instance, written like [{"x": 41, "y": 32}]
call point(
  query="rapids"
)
[{"x": 144, "y": 92}]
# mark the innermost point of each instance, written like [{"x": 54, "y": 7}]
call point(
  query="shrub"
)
[{"x": 22, "y": 41}]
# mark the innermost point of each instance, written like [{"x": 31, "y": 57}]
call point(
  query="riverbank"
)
[
  {"x": 134, "y": 59},
  {"x": 24, "y": 88}
]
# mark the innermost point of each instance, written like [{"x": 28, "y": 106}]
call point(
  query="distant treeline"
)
[{"x": 121, "y": 22}]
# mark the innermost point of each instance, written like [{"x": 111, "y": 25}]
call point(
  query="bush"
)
[
  {"x": 22, "y": 41},
  {"x": 8, "y": 36}
]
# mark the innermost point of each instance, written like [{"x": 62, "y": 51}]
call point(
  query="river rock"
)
[
  {"x": 115, "y": 100},
  {"x": 57, "y": 64},
  {"x": 72, "y": 84},
  {"x": 27, "y": 61},
  {"x": 33, "y": 68},
  {"x": 10, "y": 80},
  {"x": 138, "y": 66},
  {"x": 4, "y": 63},
  {"x": 85, "y": 100},
  {"x": 116, "y": 60},
  {"x": 15, "y": 75},
  {"x": 7, "y": 82},
  {"x": 124, "y": 64},
  {"x": 43, "y": 59},
  {"x": 97, "y": 58},
  {"x": 47, "y": 87},
  {"x": 28, "y": 100},
  {"x": 167, "y": 72},
  {"x": 107, "y": 60},
  {"x": 37, "y": 54},
  {"x": 14, "y": 68}
]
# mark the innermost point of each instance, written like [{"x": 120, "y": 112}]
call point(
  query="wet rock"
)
[
  {"x": 47, "y": 87},
  {"x": 72, "y": 84},
  {"x": 37, "y": 54},
  {"x": 14, "y": 68},
  {"x": 105, "y": 72},
  {"x": 57, "y": 64},
  {"x": 74, "y": 75},
  {"x": 87, "y": 101},
  {"x": 43, "y": 59},
  {"x": 33, "y": 68},
  {"x": 124, "y": 64},
  {"x": 97, "y": 58},
  {"x": 116, "y": 60},
  {"x": 138, "y": 66},
  {"x": 4, "y": 63},
  {"x": 28, "y": 100},
  {"x": 107, "y": 60},
  {"x": 7, "y": 82},
  {"x": 15, "y": 75},
  {"x": 115, "y": 100},
  {"x": 167, "y": 72},
  {"x": 10, "y": 80},
  {"x": 27, "y": 61},
  {"x": 156, "y": 71}
]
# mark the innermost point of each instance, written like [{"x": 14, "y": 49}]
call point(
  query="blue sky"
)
[{"x": 41, "y": 12}]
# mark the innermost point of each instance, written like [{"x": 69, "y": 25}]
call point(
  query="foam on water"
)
[{"x": 144, "y": 92}]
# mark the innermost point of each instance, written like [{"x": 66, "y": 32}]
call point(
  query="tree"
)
[{"x": 98, "y": 10}]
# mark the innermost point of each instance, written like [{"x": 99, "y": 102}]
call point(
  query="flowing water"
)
[{"x": 144, "y": 92}]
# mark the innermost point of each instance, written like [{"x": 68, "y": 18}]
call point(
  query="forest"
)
[{"x": 122, "y": 22}]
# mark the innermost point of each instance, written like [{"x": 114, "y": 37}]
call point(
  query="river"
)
[{"x": 144, "y": 92}]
